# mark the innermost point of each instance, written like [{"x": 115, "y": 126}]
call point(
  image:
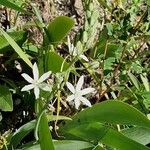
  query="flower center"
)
[
  {"x": 35, "y": 83},
  {"x": 77, "y": 94}
]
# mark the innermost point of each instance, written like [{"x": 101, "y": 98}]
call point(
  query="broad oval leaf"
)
[
  {"x": 111, "y": 111},
  {"x": 6, "y": 103},
  {"x": 58, "y": 28},
  {"x": 56, "y": 63}
]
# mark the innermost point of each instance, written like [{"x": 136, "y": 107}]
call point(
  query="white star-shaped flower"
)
[
  {"x": 77, "y": 93},
  {"x": 36, "y": 83},
  {"x": 76, "y": 51}
]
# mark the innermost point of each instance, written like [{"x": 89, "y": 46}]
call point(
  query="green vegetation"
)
[{"x": 63, "y": 88}]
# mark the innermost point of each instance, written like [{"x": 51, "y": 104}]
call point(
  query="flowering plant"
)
[
  {"x": 36, "y": 83},
  {"x": 77, "y": 93}
]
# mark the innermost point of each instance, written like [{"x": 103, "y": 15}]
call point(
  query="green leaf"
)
[
  {"x": 56, "y": 63},
  {"x": 145, "y": 82},
  {"x": 112, "y": 111},
  {"x": 134, "y": 80},
  {"x": 146, "y": 96},
  {"x": 71, "y": 144},
  {"x": 21, "y": 133},
  {"x": 96, "y": 132},
  {"x": 109, "y": 28},
  {"x": 17, "y": 49},
  {"x": 6, "y": 103},
  {"x": 18, "y": 36},
  {"x": 108, "y": 63},
  {"x": 103, "y": 37},
  {"x": 117, "y": 140},
  {"x": 33, "y": 145},
  {"x": 104, "y": 46},
  {"x": 85, "y": 131},
  {"x": 58, "y": 28},
  {"x": 24, "y": 130},
  {"x": 139, "y": 134},
  {"x": 18, "y": 2},
  {"x": 30, "y": 48},
  {"x": 45, "y": 138},
  {"x": 148, "y": 2},
  {"x": 11, "y": 5},
  {"x": 63, "y": 145},
  {"x": 111, "y": 50}
]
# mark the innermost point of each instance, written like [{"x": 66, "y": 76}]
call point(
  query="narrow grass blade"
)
[
  {"x": 17, "y": 49},
  {"x": 11, "y": 5}
]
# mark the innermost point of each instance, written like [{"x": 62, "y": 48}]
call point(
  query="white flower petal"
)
[
  {"x": 85, "y": 101},
  {"x": 84, "y": 57},
  {"x": 45, "y": 87},
  {"x": 27, "y": 87},
  {"x": 87, "y": 91},
  {"x": 70, "y": 87},
  {"x": 80, "y": 83},
  {"x": 36, "y": 92},
  {"x": 27, "y": 77},
  {"x": 70, "y": 98},
  {"x": 77, "y": 103},
  {"x": 35, "y": 72},
  {"x": 44, "y": 76}
]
